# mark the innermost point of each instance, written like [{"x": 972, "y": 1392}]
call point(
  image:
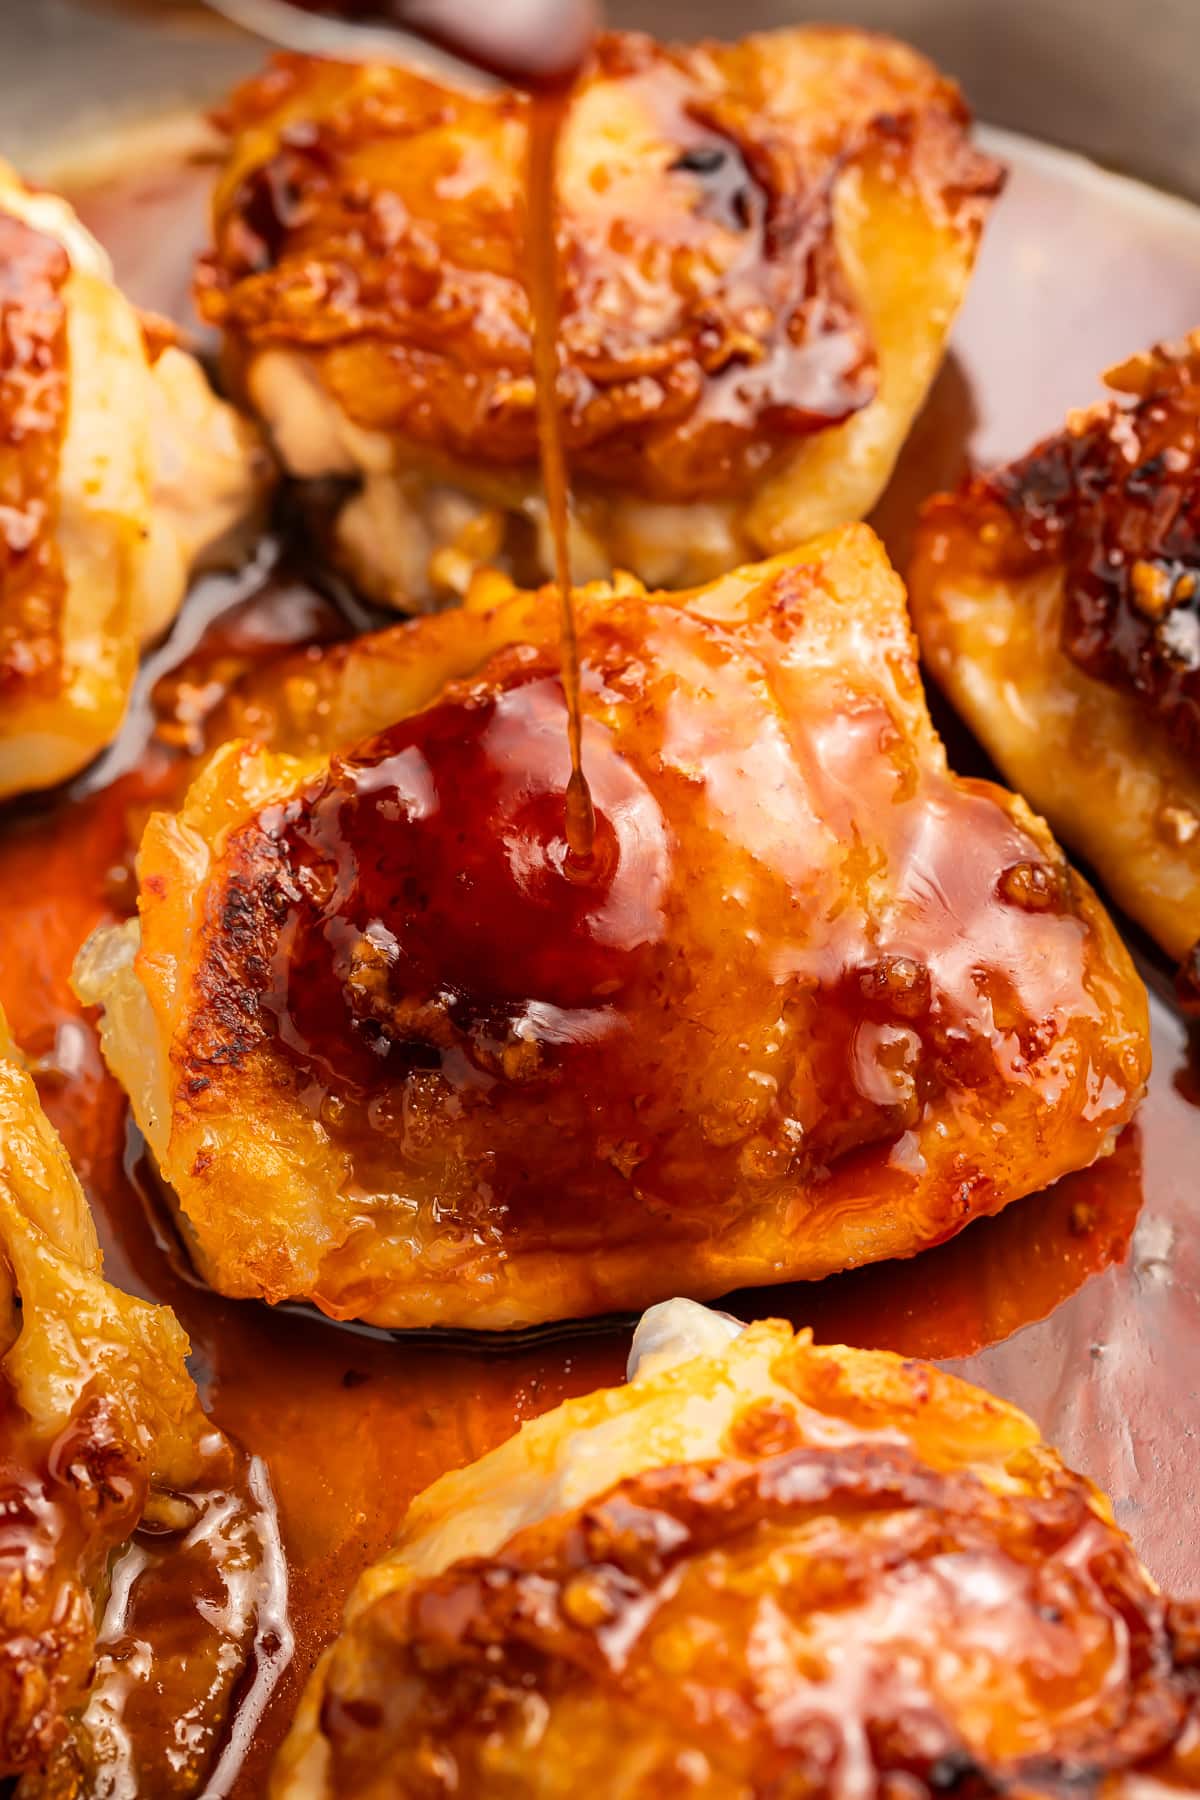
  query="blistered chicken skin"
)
[
  {"x": 112, "y": 1679},
  {"x": 761, "y": 1568},
  {"x": 119, "y": 471},
  {"x": 763, "y": 247},
  {"x": 817, "y": 1003},
  {"x": 1058, "y": 602}
]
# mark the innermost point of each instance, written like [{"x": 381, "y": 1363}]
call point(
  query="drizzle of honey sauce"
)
[
  {"x": 540, "y": 49},
  {"x": 485, "y": 914},
  {"x": 547, "y": 112},
  {"x": 1082, "y": 1304}
]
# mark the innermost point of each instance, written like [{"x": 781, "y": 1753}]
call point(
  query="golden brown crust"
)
[
  {"x": 33, "y": 411},
  {"x": 377, "y": 220},
  {"x": 119, "y": 470},
  {"x": 1057, "y": 602},
  {"x": 773, "y": 1569},
  {"x": 635, "y": 1618},
  {"x": 1114, "y": 500},
  {"x": 823, "y": 1002}
]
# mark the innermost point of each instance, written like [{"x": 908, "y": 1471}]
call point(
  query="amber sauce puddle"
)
[{"x": 1082, "y": 1304}]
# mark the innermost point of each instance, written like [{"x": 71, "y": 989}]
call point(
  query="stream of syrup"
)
[
  {"x": 538, "y": 46},
  {"x": 547, "y": 111},
  {"x": 1082, "y": 1304}
]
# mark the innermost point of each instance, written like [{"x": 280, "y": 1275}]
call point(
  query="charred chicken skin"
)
[
  {"x": 761, "y": 1568},
  {"x": 763, "y": 246},
  {"x": 817, "y": 1002},
  {"x": 119, "y": 471},
  {"x": 1058, "y": 603}
]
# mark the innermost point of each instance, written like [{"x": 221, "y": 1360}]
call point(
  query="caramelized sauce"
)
[
  {"x": 1116, "y": 498},
  {"x": 817, "y": 1617},
  {"x": 1082, "y": 1304},
  {"x": 438, "y": 895}
]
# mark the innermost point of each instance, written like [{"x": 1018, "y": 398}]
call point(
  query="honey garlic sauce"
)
[{"x": 1082, "y": 1304}]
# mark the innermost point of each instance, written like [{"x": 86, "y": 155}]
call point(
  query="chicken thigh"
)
[
  {"x": 1058, "y": 603},
  {"x": 763, "y": 246},
  {"x": 120, "y": 470},
  {"x": 814, "y": 1002},
  {"x": 762, "y": 1568}
]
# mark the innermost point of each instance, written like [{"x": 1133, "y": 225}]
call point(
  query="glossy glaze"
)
[
  {"x": 828, "y": 1618},
  {"x": 1056, "y": 601},
  {"x": 1114, "y": 501},
  {"x": 707, "y": 320},
  {"x": 760, "y": 1562},
  {"x": 1102, "y": 1272},
  {"x": 818, "y": 1002},
  {"x": 117, "y": 1494},
  {"x": 490, "y": 914}
]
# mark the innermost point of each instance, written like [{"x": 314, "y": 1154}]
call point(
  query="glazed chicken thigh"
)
[
  {"x": 1058, "y": 603},
  {"x": 119, "y": 471},
  {"x": 762, "y": 1568},
  {"x": 103, "y": 1441},
  {"x": 816, "y": 1002},
  {"x": 763, "y": 246}
]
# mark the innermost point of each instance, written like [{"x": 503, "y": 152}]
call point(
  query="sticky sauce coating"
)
[
  {"x": 820, "y": 1001},
  {"x": 446, "y": 921},
  {"x": 137, "y": 1621},
  {"x": 793, "y": 1618}
]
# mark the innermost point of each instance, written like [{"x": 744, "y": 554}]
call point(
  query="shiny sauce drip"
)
[
  {"x": 540, "y": 47},
  {"x": 545, "y": 126}
]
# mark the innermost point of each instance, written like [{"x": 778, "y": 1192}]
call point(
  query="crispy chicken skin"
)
[
  {"x": 762, "y": 1568},
  {"x": 119, "y": 469},
  {"x": 101, "y": 1436},
  {"x": 1058, "y": 603},
  {"x": 763, "y": 247},
  {"x": 820, "y": 1003}
]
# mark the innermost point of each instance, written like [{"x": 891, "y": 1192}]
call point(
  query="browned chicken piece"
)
[
  {"x": 817, "y": 1001},
  {"x": 763, "y": 246},
  {"x": 120, "y": 470},
  {"x": 761, "y": 1569},
  {"x": 1058, "y": 603},
  {"x": 137, "y": 1545}
]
